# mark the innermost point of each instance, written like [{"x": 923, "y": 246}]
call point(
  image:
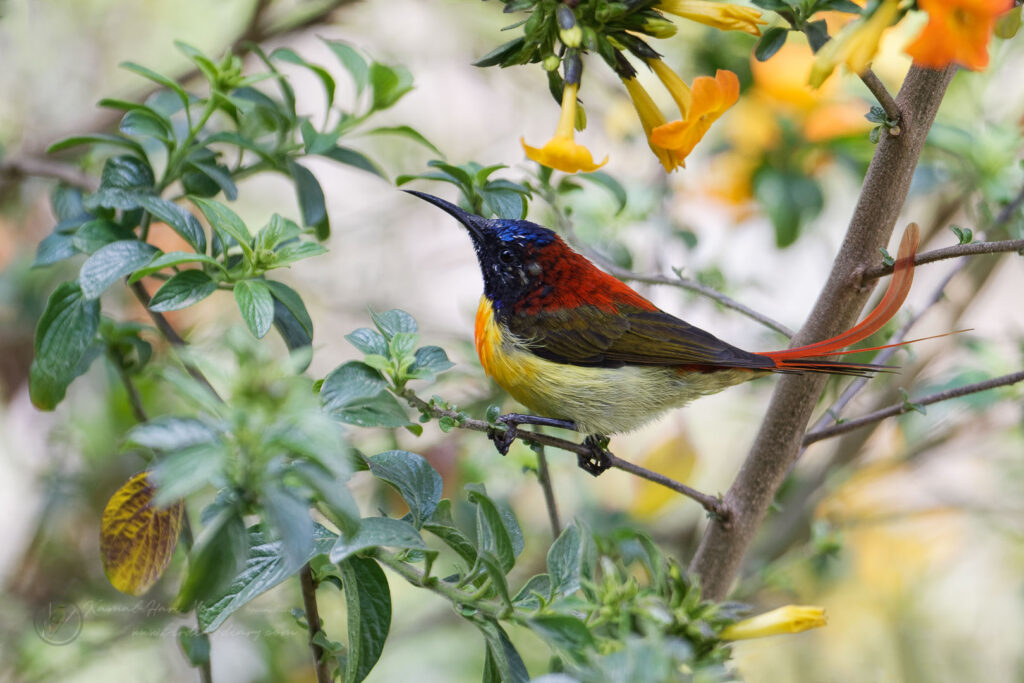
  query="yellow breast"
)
[{"x": 598, "y": 400}]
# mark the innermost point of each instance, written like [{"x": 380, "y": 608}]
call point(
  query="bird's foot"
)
[
  {"x": 512, "y": 421},
  {"x": 599, "y": 458}
]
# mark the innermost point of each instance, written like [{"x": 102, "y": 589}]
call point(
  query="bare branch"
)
[
  {"x": 948, "y": 253},
  {"x": 907, "y": 406},
  {"x": 710, "y": 503},
  {"x": 544, "y": 477},
  {"x": 47, "y": 168},
  {"x": 885, "y": 99},
  {"x": 778, "y": 441}
]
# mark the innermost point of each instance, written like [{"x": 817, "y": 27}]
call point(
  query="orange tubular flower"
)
[
  {"x": 709, "y": 98},
  {"x": 957, "y": 31},
  {"x": 651, "y": 119},
  {"x": 721, "y": 15},
  {"x": 562, "y": 152}
]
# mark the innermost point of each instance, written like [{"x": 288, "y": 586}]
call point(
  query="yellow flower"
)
[
  {"x": 788, "y": 619},
  {"x": 562, "y": 152},
  {"x": 709, "y": 98},
  {"x": 721, "y": 15},
  {"x": 651, "y": 118},
  {"x": 856, "y": 45}
]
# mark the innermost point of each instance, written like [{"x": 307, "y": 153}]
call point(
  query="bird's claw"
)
[
  {"x": 503, "y": 439},
  {"x": 597, "y": 459}
]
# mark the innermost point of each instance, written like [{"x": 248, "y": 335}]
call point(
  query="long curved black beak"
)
[{"x": 477, "y": 226}]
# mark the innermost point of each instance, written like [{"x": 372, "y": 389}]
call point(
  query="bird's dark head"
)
[{"x": 513, "y": 254}]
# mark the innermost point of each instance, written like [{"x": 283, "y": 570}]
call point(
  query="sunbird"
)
[{"x": 584, "y": 351}]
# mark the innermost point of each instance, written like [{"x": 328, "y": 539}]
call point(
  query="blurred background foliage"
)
[{"x": 910, "y": 534}]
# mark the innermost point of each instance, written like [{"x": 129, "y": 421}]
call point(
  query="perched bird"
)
[{"x": 585, "y": 351}]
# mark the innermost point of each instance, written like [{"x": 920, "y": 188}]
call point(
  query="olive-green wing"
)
[{"x": 589, "y": 336}]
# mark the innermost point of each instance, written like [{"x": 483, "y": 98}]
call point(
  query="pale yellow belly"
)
[{"x": 599, "y": 400}]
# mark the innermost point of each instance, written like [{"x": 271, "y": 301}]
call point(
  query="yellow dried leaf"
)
[
  {"x": 675, "y": 458},
  {"x": 137, "y": 540}
]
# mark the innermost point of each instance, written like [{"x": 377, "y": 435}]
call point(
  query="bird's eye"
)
[{"x": 506, "y": 256}]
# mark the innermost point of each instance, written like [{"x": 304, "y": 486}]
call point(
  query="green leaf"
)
[
  {"x": 54, "y": 248},
  {"x": 278, "y": 230},
  {"x": 159, "y": 79},
  {"x": 789, "y": 199},
  {"x": 413, "y": 477},
  {"x": 143, "y": 122},
  {"x": 64, "y": 335},
  {"x": 350, "y": 157},
  {"x": 290, "y": 518},
  {"x": 499, "y": 54},
  {"x": 356, "y": 394},
  {"x": 564, "y": 632},
  {"x": 353, "y": 63},
  {"x": 256, "y": 304},
  {"x": 178, "y": 218},
  {"x": 288, "y": 55},
  {"x": 443, "y": 526},
  {"x": 290, "y": 315},
  {"x": 368, "y": 605},
  {"x": 297, "y": 251},
  {"x": 195, "y": 646},
  {"x": 429, "y": 361},
  {"x": 370, "y": 342},
  {"x": 205, "y": 64},
  {"x": 389, "y": 84},
  {"x": 564, "y": 557},
  {"x": 172, "y": 433},
  {"x": 406, "y": 132},
  {"x": 218, "y": 556},
  {"x": 182, "y": 290},
  {"x": 771, "y": 42},
  {"x": 840, "y": 6},
  {"x": 374, "y": 532},
  {"x": 311, "y": 200},
  {"x": 340, "y": 507},
  {"x": 393, "y": 322},
  {"x": 502, "y": 653},
  {"x": 504, "y": 203},
  {"x": 111, "y": 262},
  {"x": 220, "y": 176},
  {"x": 127, "y": 173},
  {"x": 97, "y": 233},
  {"x": 817, "y": 34},
  {"x": 172, "y": 259},
  {"x": 316, "y": 142},
  {"x": 225, "y": 221},
  {"x": 963, "y": 235},
  {"x": 609, "y": 183},
  {"x": 536, "y": 589},
  {"x": 95, "y": 139},
  {"x": 491, "y": 534},
  {"x": 184, "y": 471},
  {"x": 264, "y": 569}
]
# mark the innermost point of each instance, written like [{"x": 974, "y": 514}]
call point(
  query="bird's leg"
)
[
  {"x": 512, "y": 421},
  {"x": 598, "y": 460}
]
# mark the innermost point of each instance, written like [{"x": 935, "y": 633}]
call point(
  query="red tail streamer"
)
[{"x": 899, "y": 287}]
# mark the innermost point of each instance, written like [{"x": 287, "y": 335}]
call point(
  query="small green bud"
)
[
  {"x": 571, "y": 37},
  {"x": 660, "y": 28},
  {"x": 551, "y": 63}
]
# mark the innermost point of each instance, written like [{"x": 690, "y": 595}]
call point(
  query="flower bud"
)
[
  {"x": 551, "y": 63},
  {"x": 659, "y": 28}
]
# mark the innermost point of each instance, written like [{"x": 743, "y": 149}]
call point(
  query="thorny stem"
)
[
  {"x": 906, "y": 406},
  {"x": 950, "y": 252},
  {"x": 885, "y": 99},
  {"x": 710, "y": 503}
]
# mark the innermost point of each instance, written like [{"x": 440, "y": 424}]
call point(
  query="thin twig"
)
[
  {"x": 832, "y": 414},
  {"x": 544, "y": 477},
  {"x": 313, "y": 621},
  {"x": 712, "y": 504},
  {"x": 908, "y": 405},
  {"x": 47, "y": 168},
  {"x": 948, "y": 253},
  {"x": 885, "y": 99}
]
